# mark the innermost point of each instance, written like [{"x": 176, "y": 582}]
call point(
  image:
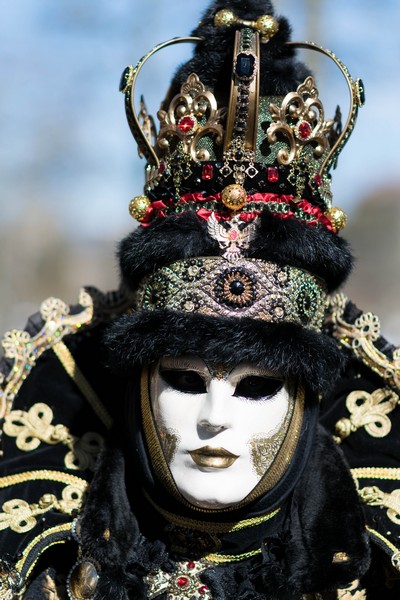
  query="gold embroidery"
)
[
  {"x": 40, "y": 540},
  {"x": 69, "y": 364},
  {"x": 360, "y": 338},
  {"x": 34, "y": 426},
  {"x": 389, "y": 473},
  {"x": 229, "y": 558},
  {"x": 373, "y": 496},
  {"x": 352, "y": 592},
  {"x": 20, "y": 516},
  {"x": 211, "y": 527},
  {"x": 24, "y": 350},
  {"x": 369, "y": 411},
  {"x": 43, "y": 475}
]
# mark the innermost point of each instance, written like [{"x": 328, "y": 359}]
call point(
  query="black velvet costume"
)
[{"x": 84, "y": 511}]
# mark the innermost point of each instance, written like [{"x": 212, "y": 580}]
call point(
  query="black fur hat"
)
[{"x": 239, "y": 168}]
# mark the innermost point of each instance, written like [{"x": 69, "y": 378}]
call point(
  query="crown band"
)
[
  {"x": 245, "y": 288},
  {"x": 278, "y": 204}
]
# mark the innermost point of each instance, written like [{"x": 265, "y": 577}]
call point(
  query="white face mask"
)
[{"x": 220, "y": 430}]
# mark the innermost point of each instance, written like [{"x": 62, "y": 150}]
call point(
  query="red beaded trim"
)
[{"x": 281, "y": 205}]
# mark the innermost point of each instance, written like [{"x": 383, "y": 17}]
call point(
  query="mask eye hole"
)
[
  {"x": 258, "y": 388},
  {"x": 188, "y": 382}
]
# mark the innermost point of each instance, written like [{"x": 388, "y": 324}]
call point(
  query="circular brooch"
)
[{"x": 236, "y": 288}]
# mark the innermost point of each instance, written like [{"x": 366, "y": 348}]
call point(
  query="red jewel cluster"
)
[
  {"x": 183, "y": 582},
  {"x": 304, "y": 130},
  {"x": 187, "y": 124}
]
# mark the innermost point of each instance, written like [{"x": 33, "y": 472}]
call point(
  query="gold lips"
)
[{"x": 217, "y": 458}]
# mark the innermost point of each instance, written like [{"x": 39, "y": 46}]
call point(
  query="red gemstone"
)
[
  {"x": 207, "y": 172},
  {"x": 318, "y": 179},
  {"x": 187, "y": 124},
  {"x": 233, "y": 235},
  {"x": 161, "y": 168},
  {"x": 273, "y": 174},
  {"x": 182, "y": 582},
  {"x": 191, "y": 564},
  {"x": 203, "y": 590},
  {"x": 305, "y": 130}
]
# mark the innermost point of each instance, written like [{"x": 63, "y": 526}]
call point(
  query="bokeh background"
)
[{"x": 69, "y": 166}]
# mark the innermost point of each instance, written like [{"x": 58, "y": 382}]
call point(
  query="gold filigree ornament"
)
[
  {"x": 301, "y": 122},
  {"x": 32, "y": 427},
  {"x": 185, "y": 582},
  {"x": 373, "y": 496},
  {"x": 20, "y": 516},
  {"x": 266, "y": 25},
  {"x": 369, "y": 411},
  {"x": 10, "y": 582},
  {"x": 25, "y": 350},
  {"x": 352, "y": 592},
  {"x": 360, "y": 337},
  {"x": 192, "y": 114}
]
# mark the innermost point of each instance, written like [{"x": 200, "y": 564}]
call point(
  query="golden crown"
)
[{"x": 274, "y": 151}]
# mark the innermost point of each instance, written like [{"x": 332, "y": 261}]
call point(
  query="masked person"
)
[{"x": 243, "y": 414}]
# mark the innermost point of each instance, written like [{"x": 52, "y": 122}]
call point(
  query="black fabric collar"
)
[{"x": 322, "y": 518}]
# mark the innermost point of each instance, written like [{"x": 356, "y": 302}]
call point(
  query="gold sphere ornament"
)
[
  {"x": 337, "y": 217},
  {"x": 224, "y": 18},
  {"x": 138, "y": 207},
  {"x": 234, "y": 196},
  {"x": 267, "y": 26}
]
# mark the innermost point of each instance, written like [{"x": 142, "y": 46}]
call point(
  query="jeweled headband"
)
[{"x": 244, "y": 288}]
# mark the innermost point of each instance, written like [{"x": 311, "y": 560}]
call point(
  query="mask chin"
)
[{"x": 217, "y": 477}]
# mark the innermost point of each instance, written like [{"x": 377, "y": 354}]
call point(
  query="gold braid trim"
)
[
  {"x": 360, "y": 337},
  {"x": 43, "y": 475},
  {"x": 69, "y": 364},
  {"x": 40, "y": 539},
  {"x": 392, "y": 547},
  {"x": 212, "y": 527},
  {"x": 229, "y": 558},
  {"x": 388, "y": 473}
]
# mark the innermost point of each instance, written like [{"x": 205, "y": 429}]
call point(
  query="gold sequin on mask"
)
[{"x": 246, "y": 288}]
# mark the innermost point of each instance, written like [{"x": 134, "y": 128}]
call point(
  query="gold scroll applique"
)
[
  {"x": 360, "y": 337},
  {"x": 19, "y": 516},
  {"x": 352, "y": 592},
  {"x": 31, "y": 428},
  {"x": 25, "y": 350},
  {"x": 373, "y": 496},
  {"x": 369, "y": 411}
]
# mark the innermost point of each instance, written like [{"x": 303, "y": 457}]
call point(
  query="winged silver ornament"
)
[{"x": 233, "y": 236}]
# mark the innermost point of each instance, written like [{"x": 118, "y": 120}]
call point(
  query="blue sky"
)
[{"x": 65, "y": 141}]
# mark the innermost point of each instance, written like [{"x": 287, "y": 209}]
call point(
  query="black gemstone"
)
[
  {"x": 245, "y": 65},
  {"x": 124, "y": 79},
  {"x": 236, "y": 288},
  {"x": 362, "y": 91},
  {"x": 292, "y": 179}
]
